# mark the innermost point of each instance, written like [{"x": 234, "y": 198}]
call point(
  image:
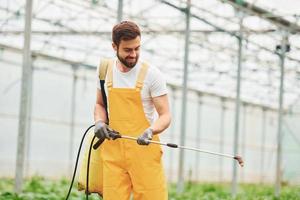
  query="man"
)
[{"x": 134, "y": 91}]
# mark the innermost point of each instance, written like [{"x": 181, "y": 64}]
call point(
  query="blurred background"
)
[{"x": 232, "y": 68}]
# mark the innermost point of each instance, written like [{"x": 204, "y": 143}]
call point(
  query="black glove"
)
[
  {"x": 145, "y": 137},
  {"x": 101, "y": 130},
  {"x": 113, "y": 134}
]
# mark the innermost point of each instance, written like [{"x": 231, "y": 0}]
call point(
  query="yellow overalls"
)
[{"x": 127, "y": 166}]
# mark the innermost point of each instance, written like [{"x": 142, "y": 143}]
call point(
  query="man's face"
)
[{"x": 128, "y": 51}]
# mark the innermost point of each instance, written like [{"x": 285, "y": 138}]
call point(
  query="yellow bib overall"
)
[{"x": 127, "y": 166}]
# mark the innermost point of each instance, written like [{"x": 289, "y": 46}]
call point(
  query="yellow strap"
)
[
  {"x": 104, "y": 64},
  {"x": 141, "y": 76},
  {"x": 103, "y": 69},
  {"x": 109, "y": 82}
]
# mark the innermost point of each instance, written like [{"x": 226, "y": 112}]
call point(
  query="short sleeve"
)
[{"x": 158, "y": 86}]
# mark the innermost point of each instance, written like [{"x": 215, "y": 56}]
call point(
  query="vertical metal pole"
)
[
  {"x": 180, "y": 184},
  {"x": 120, "y": 11},
  {"x": 283, "y": 50},
  {"x": 244, "y": 137},
  {"x": 198, "y": 132},
  {"x": 262, "y": 147},
  {"x": 72, "y": 124},
  {"x": 222, "y": 119},
  {"x": 25, "y": 99},
  {"x": 28, "y": 136},
  {"x": 28, "y": 141},
  {"x": 237, "y": 110},
  {"x": 172, "y": 131}
]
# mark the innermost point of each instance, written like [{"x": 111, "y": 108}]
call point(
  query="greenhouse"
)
[{"x": 233, "y": 81}]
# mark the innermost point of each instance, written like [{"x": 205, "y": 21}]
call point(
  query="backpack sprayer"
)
[{"x": 115, "y": 135}]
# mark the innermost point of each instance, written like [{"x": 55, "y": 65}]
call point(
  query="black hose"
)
[
  {"x": 78, "y": 154},
  {"x": 88, "y": 170}
]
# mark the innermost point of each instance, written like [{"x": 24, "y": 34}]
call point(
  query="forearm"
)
[
  {"x": 99, "y": 113},
  {"x": 161, "y": 123}
]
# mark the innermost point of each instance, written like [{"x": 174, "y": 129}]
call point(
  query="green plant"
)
[{"x": 39, "y": 188}]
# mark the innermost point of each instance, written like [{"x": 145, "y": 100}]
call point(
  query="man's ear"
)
[{"x": 114, "y": 46}]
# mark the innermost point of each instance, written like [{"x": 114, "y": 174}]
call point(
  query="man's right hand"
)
[{"x": 101, "y": 130}]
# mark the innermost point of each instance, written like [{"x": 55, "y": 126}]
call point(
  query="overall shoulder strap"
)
[{"x": 141, "y": 76}]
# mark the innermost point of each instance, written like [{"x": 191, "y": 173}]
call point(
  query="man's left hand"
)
[{"x": 145, "y": 138}]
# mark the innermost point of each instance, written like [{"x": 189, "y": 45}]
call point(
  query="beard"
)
[{"x": 127, "y": 63}]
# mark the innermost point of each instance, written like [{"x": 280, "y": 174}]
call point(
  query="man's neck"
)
[{"x": 122, "y": 67}]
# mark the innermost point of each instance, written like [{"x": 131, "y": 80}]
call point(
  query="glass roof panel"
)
[{"x": 80, "y": 31}]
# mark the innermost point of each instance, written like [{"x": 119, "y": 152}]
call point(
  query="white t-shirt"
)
[{"x": 154, "y": 85}]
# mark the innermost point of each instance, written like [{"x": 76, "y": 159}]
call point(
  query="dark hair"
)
[{"x": 125, "y": 30}]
